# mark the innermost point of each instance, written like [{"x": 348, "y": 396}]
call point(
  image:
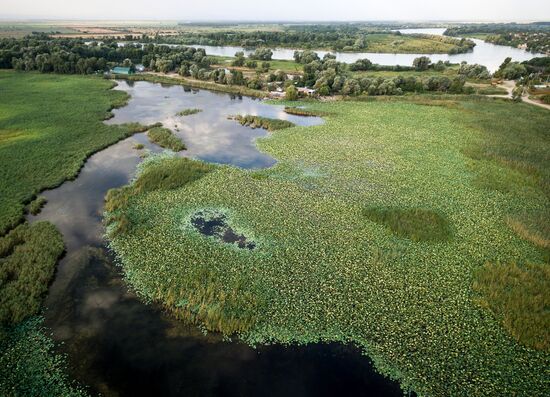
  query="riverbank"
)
[{"x": 174, "y": 78}]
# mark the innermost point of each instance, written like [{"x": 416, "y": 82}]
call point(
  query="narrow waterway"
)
[{"x": 119, "y": 346}]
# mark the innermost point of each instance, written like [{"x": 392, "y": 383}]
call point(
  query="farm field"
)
[{"x": 399, "y": 225}]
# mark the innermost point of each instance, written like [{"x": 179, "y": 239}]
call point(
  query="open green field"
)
[
  {"x": 49, "y": 124},
  {"x": 383, "y": 42},
  {"x": 20, "y": 29},
  {"x": 397, "y": 225}
]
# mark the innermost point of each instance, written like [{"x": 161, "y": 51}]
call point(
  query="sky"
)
[{"x": 279, "y": 10}]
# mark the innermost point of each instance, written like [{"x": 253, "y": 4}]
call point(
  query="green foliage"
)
[
  {"x": 414, "y": 223},
  {"x": 56, "y": 119},
  {"x": 321, "y": 272},
  {"x": 29, "y": 365},
  {"x": 518, "y": 296},
  {"x": 28, "y": 255},
  {"x": 36, "y": 205},
  {"x": 165, "y": 138},
  {"x": 188, "y": 112},
  {"x": 263, "y": 122},
  {"x": 422, "y": 63},
  {"x": 291, "y": 93}
]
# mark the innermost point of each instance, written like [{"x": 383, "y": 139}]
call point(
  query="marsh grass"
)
[
  {"x": 49, "y": 125},
  {"x": 323, "y": 271},
  {"x": 519, "y": 296},
  {"x": 170, "y": 174},
  {"x": 37, "y": 204},
  {"x": 165, "y": 138},
  {"x": 262, "y": 122},
  {"x": 188, "y": 112},
  {"x": 415, "y": 224},
  {"x": 28, "y": 255},
  {"x": 303, "y": 112}
]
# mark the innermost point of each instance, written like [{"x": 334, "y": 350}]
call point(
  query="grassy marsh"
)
[
  {"x": 262, "y": 122},
  {"x": 165, "y": 138},
  {"x": 322, "y": 272}
]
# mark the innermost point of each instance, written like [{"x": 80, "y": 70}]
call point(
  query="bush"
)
[{"x": 291, "y": 93}]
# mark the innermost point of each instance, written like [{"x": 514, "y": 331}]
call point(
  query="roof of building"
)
[{"x": 121, "y": 70}]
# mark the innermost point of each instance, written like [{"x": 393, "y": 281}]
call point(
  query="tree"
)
[
  {"x": 291, "y": 93},
  {"x": 422, "y": 63},
  {"x": 239, "y": 59}
]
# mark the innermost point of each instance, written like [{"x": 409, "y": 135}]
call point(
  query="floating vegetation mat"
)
[{"x": 373, "y": 227}]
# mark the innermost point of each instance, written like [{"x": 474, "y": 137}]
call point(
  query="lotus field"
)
[{"x": 383, "y": 227}]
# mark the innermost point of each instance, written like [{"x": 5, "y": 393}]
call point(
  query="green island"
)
[
  {"x": 165, "y": 138},
  {"x": 383, "y": 227},
  {"x": 262, "y": 122},
  {"x": 188, "y": 112}
]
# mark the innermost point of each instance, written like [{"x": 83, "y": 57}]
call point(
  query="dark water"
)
[
  {"x": 119, "y": 346},
  {"x": 215, "y": 225}
]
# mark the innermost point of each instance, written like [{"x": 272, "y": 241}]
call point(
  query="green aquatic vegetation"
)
[
  {"x": 188, "y": 112},
  {"x": 412, "y": 223},
  {"x": 262, "y": 122},
  {"x": 29, "y": 365},
  {"x": 139, "y": 146},
  {"x": 323, "y": 272},
  {"x": 49, "y": 125},
  {"x": 28, "y": 255},
  {"x": 519, "y": 296},
  {"x": 165, "y": 138},
  {"x": 302, "y": 111},
  {"x": 36, "y": 205}
]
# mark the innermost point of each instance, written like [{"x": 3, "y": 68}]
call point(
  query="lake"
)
[{"x": 119, "y": 346}]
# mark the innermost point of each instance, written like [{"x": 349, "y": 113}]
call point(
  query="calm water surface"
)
[
  {"x": 119, "y": 346},
  {"x": 487, "y": 54}
]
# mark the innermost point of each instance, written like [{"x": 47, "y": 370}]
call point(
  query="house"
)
[
  {"x": 121, "y": 70},
  {"x": 306, "y": 91},
  {"x": 277, "y": 94}
]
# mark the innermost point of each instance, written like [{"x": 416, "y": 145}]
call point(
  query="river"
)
[
  {"x": 119, "y": 346},
  {"x": 487, "y": 54}
]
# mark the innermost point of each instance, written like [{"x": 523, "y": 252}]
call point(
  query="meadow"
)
[{"x": 400, "y": 226}]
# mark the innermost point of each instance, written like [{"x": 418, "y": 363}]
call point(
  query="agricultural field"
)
[{"x": 399, "y": 225}]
